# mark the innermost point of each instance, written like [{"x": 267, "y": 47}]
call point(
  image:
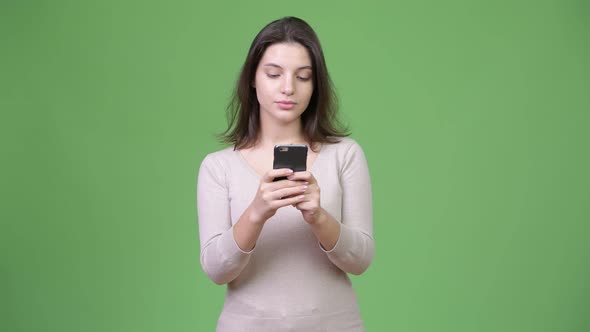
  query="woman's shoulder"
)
[
  {"x": 342, "y": 147},
  {"x": 223, "y": 156},
  {"x": 347, "y": 151}
]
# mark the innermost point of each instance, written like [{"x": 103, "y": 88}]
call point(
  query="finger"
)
[
  {"x": 305, "y": 205},
  {"x": 302, "y": 176},
  {"x": 289, "y": 201},
  {"x": 275, "y": 173},
  {"x": 273, "y": 186},
  {"x": 289, "y": 192}
]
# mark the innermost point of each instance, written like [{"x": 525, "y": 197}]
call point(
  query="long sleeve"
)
[
  {"x": 355, "y": 248},
  {"x": 221, "y": 258},
  {"x": 287, "y": 281}
]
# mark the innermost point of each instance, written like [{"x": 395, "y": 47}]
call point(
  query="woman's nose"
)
[{"x": 287, "y": 87}]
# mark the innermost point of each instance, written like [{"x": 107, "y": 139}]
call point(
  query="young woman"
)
[{"x": 284, "y": 248}]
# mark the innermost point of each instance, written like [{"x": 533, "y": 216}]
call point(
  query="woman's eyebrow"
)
[{"x": 277, "y": 66}]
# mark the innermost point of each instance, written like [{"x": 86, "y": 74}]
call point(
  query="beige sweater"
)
[{"x": 287, "y": 282}]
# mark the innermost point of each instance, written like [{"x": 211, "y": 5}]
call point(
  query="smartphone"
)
[{"x": 290, "y": 156}]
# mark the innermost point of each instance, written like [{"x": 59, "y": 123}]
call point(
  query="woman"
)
[{"x": 284, "y": 248}]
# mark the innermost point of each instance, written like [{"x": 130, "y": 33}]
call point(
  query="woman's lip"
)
[{"x": 286, "y": 105}]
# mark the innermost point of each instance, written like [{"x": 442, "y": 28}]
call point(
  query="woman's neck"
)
[{"x": 281, "y": 134}]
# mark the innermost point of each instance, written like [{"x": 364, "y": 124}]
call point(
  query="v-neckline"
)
[{"x": 253, "y": 171}]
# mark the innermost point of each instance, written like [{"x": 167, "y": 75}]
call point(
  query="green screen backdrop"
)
[{"x": 474, "y": 116}]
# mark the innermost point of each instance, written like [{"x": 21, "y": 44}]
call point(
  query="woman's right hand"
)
[{"x": 272, "y": 196}]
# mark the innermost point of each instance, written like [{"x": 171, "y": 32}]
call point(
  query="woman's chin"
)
[{"x": 285, "y": 117}]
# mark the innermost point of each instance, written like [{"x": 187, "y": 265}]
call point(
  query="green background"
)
[{"x": 474, "y": 116}]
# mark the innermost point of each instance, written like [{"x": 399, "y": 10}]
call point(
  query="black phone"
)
[{"x": 290, "y": 156}]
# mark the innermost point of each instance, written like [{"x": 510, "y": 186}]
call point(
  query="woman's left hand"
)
[{"x": 310, "y": 205}]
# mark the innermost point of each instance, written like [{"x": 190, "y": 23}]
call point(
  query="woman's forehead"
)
[{"x": 286, "y": 56}]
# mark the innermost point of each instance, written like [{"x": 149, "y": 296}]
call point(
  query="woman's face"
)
[{"x": 284, "y": 82}]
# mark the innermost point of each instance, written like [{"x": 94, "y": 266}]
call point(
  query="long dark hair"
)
[{"x": 319, "y": 121}]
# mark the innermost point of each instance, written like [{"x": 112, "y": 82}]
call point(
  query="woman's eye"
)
[
  {"x": 272, "y": 75},
  {"x": 303, "y": 78}
]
